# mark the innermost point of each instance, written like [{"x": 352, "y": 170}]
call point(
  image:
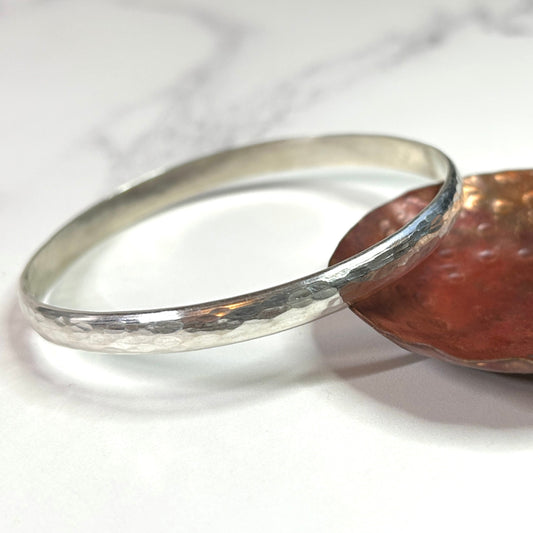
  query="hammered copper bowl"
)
[{"x": 471, "y": 301}]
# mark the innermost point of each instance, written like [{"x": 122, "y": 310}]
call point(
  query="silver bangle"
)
[{"x": 252, "y": 315}]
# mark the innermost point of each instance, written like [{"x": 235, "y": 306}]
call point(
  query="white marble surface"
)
[{"x": 324, "y": 428}]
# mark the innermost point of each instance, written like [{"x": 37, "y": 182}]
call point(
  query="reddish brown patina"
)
[{"x": 471, "y": 301}]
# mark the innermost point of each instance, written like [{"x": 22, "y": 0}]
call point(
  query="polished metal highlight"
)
[{"x": 252, "y": 315}]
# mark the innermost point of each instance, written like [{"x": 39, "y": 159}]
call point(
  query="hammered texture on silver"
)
[{"x": 245, "y": 316}]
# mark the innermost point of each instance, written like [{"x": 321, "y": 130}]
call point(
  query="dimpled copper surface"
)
[{"x": 471, "y": 301}]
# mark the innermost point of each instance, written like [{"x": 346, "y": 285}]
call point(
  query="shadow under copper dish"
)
[{"x": 471, "y": 301}]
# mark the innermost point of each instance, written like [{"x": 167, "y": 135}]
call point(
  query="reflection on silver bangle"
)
[{"x": 252, "y": 315}]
